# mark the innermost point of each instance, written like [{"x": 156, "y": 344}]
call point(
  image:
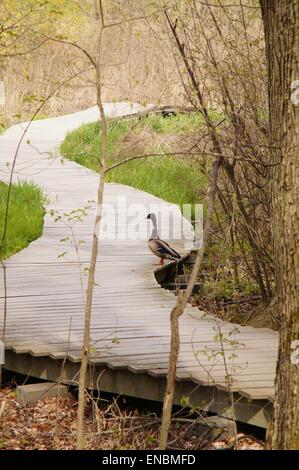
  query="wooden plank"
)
[{"x": 44, "y": 293}]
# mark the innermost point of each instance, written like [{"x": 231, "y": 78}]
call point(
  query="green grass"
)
[
  {"x": 40, "y": 117},
  {"x": 25, "y": 219},
  {"x": 3, "y": 124},
  {"x": 175, "y": 179}
]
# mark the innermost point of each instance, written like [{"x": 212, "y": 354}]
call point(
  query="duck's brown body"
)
[{"x": 159, "y": 247}]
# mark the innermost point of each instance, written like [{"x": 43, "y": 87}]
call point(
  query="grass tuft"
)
[
  {"x": 25, "y": 217},
  {"x": 178, "y": 180}
]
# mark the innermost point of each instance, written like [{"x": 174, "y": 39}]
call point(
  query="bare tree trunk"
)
[
  {"x": 178, "y": 310},
  {"x": 95, "y": 247},
  {"x": 281, "y": 25}
]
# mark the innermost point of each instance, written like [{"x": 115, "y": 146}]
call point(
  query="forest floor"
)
[{"x": 51, "y": 424}]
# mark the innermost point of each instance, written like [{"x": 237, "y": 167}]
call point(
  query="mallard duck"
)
[{"x": 159, "y": 247}]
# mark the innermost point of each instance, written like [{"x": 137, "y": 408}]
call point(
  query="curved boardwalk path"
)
[{"x": 130, "y": 321}]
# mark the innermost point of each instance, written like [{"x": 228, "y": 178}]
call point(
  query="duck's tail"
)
[{"x": 176, "y": 255}]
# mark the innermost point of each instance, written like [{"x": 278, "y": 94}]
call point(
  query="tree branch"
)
[{"x": 178, "y": 310}]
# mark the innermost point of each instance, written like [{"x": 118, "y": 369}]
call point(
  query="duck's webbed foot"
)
[{"x": 161, "y": 262}]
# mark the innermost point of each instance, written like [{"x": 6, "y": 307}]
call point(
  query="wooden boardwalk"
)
[{"x": 130, "y": 321}]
